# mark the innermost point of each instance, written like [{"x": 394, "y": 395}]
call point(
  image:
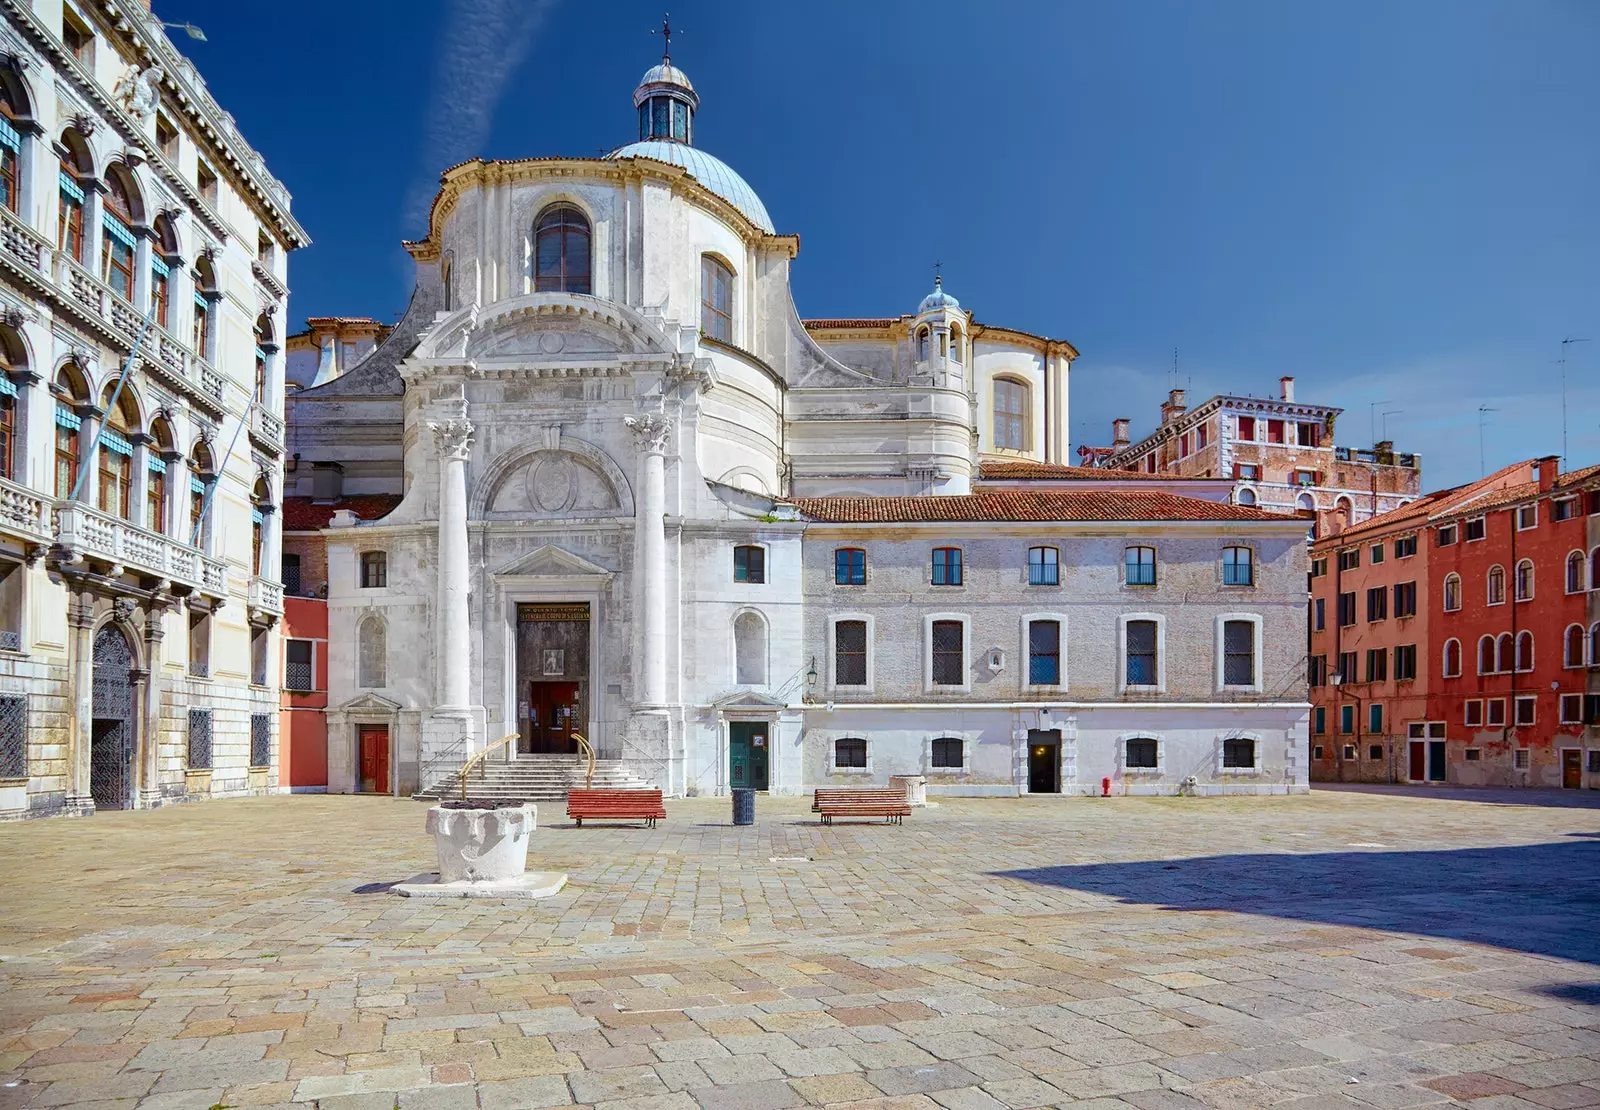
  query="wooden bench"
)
[
  {"x": 616, "y": 805},
  {"x": 888, "y": 802}
]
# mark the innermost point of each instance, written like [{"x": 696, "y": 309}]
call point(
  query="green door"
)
[{"x": 747, "y": 754}]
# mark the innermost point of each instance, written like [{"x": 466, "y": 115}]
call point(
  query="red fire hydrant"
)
[{"x": 1105, "y": 787}]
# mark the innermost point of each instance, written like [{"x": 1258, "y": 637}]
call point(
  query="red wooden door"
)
[
  {"x": 374, "y": 744},
  {"x": 551, "y": 720},
  {"x": 1419, "y": 761},
  {"x": 1571, "y": 769}
]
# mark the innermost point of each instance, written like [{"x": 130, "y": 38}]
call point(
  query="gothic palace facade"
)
[{"x": 632, "y": 493}]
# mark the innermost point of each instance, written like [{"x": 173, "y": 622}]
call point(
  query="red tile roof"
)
[
  {"x": 1525, "y": 491},
  {"x": 1053, "y": 505},
  {"x": 1023, "y": 468},
  {"x": 301, "y": 514}
]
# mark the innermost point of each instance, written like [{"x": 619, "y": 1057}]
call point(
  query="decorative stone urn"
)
[
  {"x": 915, "y": 786},
  {"x": 482, "y": 845}
]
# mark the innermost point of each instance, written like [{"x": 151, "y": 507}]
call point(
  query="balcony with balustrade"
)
[
  {"x": 25, "y": 515},
  {"x": 266, "y": 595},
  {"x": 83, "y": 531},
  {"x": 266, "y": 428},
  {"x": 21, "y": 247}
]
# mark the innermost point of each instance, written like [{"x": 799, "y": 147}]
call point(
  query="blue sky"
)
[{"x": 1395, "y": 203}]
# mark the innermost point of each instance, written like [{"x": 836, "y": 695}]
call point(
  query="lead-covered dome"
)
[
  {"x": 938, "y": 299},
  {"x": 709, "y": 170}
]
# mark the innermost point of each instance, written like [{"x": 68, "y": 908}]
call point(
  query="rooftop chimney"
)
[
  {"x": 1173, "y": 407},
  {"x": 1547, "y": 473},
  {"x": 1119, "y": 433},
  {"x": 1286, "y": 388}
]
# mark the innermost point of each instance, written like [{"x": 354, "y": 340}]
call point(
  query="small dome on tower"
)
[
  {"x": 665, "y": 74},
  {"x": 938, "y": 299}
]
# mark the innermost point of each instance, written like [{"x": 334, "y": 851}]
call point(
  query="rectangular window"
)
[
  {"x": 1246, "y": 472},
  {"x": 1044, "y": 653},
  {"x": 1320, "y": 720},
  {"x": 206, "y": 180},
  {"x": 1247, "y": 428},
  {"x": 1472, "y": 713},
  {"x": 1565, "y": 509},
  {"x": 1377, "y": 664},
  {"x": 1405, "y": 599},
  {"x": 1044, "y": 566},
  {"x": 1239, "y": 754},
  {"x": 1141, "y": 662},
  {"x": 1474, "y": 755},
  {"x": 1347, "y": 719},
  {"x": 67, "y": 424},
  {"x": 1305, "y": 477},
  {"x": 1405, "y": 547},
  {"x": 1142, "y": 753},
  {"x": 947, "y": 566},
  {"x": 1375, "y": 751},
  {"x": 1572, "y": 709},
  {"x": 14, "y": 737},
  {"x": 374, "y": 570},
  {"x": 850, "y": 567},
  {"x": 1524, "y": 710},
  {"x": 1183, "y": 445},
  {"x": 1347, "y": 666},
  {"x": 1309, "y": 435},
  {"x": 199, "y": 739},
  {"x": 8, "y": 433},
  {"x": 1319, "y": 614},
  {"x": 1238, "y": 566},
  {"x": 1377, "y": 604},
  {"x": 297, "y": 672},
  {"x": 291, "y": 574},
  {"x": 1375, "y": 718},
  {"x": 1476, "y": 529},
  {"x": 1239, "y": 653},
  {"x": 1527, "y": 516},
  {"x": 199, "y": 643},
  {"x": 1497, "y": 712},
  {"x": 1594, "y": 760},
  {"x": 1347, "y": 609},
  {"x": 850, "y": 653},
  {"x": 1274, "y": 431},
  {"x": 1139, "y": 566},
  {"x": 949, "y": 663},
  {"x": 850, "y": 753},
  {"x": 1348, "y": 751},
  {"x": 260, "y": 739},
  {"x": 749, "y": 564},
  {"x": 1447, "y": 535},
  {"x": 1202, "y": 436},
  {"x": 1319, "y": 567},
  {"x": 1349, "y": 560},
  {"x": 1317, "y": 671},
  {"x": 1377, "y": 554},
  {"x": 1405, "y": 662},
  {"x": 947, "y": 753},
  {"x": 1519, "y": 759}
]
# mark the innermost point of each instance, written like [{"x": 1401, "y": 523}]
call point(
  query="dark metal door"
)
[
  {"x": 111, "y": 743},
  {"x": 747, "y": 754},
  {"x": 1436, "y": 761}
]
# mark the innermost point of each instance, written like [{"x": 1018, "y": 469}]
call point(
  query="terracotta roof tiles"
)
[
  {"x": 302, "y": 514},
  {"x": 1026, "y": 468}
]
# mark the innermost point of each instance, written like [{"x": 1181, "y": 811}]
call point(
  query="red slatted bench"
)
[
  {"x": 887, "y": 802},
  {"x": 616, "y": 805}
]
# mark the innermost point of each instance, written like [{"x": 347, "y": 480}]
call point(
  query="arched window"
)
[
  {"x": 1594, "y": 563},
  {"x": 76, "y": 167},
  {"x": 372, "y": 653},
  {"x": 446, "y": 273},
  {"x": 72, "y": 392},
  {"x": 1452, "y": 593},
  {"x": 1525, "y": 650},
  {"x": 1452, "y": 658},
  {"x": 205, "y": 296},
  {"x": 263, "y": 333},
  {"x": 561, "y": 251},
  {"x": 1572, "y": 646},
  {"x": 1594, "y": 643},
  {"x": 750, "y": 649},
  {"x": 13, "y": 109},
  {"x": 922, "y": 345},
  {"x": 163, "y": 255},
  {"x": 1486, "y": 655},
  {"x": 955, "y": 344},
  {"x": 1503, "y": 662},
  {"x": 1575, "y": 569},
  {"x": 1497, "y": 585},
  {"x": 716, "y": 299},
  {"x": 1525, "y": 580},
  {"x": 155, "y": 479},
  {"x": 202, "y": 472},
  {"x": 1345, "y": 511},
  {"x": 1247, "y": 497},
  {"x": 1010, "y": 415},
  {"x": 117, "y": 217},
  {"x": 260, "y": 502},
  {"x": 116, "y": 451},
  {"x": 13, "y": 358}
]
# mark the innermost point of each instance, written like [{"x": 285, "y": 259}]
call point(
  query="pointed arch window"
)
[
  {"x": 716, "y": 299},
  {"x": 561, "y": 251}
]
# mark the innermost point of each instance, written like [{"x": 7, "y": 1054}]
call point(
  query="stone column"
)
[
  {"x": 652, "y": 433},
  {"x": 147, "y": 773},
  {"x": 80, "y": 622},
  {"x": 453, "y": 438}
]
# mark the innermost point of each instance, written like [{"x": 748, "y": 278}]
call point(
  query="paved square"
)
[{"x": 1348, "y": 948}]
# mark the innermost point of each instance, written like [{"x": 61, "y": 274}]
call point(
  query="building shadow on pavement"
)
[
  {"x": 1488, "y": 795},
  {"x": 1538, "y": 898}
]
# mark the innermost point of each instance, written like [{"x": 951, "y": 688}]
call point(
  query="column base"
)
[{"x": 442, "y": 748}]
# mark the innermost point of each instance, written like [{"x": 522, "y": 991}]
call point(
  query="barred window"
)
[
  {"x": 1141, "y": 752},
  {"x": 291, "y": 575},
  {"x": 14, "y": 737},
  {"x": 1239, "y": 753},
  {"x": 1238, "y": 653},
  {"x": 1141, "y": 662},
  {"x": 850, "y": 752},
  {"x": 297, "y": 674},
  {"x": 260, "y": 739},
  {"x": 199, "y": 739},
  {"x": 1044, "y": 653},
  {"x": 947, "y": 752},
  {"x": 850, "y": 653},
  {"x": 949, "y": 666}
]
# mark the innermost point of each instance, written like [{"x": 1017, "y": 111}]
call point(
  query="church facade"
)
[{"x": 635, "y": 496}]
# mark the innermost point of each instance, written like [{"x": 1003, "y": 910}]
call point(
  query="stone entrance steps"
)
[{"x": 536, "y": 779}]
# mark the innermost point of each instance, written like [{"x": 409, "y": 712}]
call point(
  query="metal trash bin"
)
[{"x": 744, "y": 806}]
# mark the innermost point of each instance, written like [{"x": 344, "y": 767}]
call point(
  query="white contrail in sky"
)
[{"x": 483, "y": 43}]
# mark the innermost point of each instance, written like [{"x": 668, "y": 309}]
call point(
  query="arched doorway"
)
[{"x": 111, "y": 745}]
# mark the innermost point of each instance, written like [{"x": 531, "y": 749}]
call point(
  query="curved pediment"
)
[
  {"x": 546, "y": 328},
  {"x": 566, "y": 477}
]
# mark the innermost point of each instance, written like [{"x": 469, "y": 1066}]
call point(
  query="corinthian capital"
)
[
  {"x": 650, "y": 431},
  {"x": 453, "y": 437}
]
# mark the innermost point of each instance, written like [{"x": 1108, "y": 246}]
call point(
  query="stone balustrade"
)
[
  {"x": 20, "y": 242},
  {"x": 83, "y": 530},
  {"x": 266, "y": 595},
  {"x": 266, "y": 426},
  {"x": 24, "y": 513}
]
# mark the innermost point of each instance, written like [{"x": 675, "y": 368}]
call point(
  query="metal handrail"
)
[
  {"x": 466, "y": 768},
  {"x": 588, "y": 779}
]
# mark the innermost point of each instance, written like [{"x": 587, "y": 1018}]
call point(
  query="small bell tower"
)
[{"x": 940, "y": 338}]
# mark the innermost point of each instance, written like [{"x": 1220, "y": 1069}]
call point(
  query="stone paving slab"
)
[{"x": 1159, "y": 954}]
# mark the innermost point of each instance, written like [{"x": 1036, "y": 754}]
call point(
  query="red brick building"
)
[{"x": 1457, "y": 639}]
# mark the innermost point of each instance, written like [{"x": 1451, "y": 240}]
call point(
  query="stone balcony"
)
[
  {"x": 22, "y": 246},
  {"x": 83, "y": 531},
  {"x": 266, "y": 428},
  {"x": 25, "y": 514},
  {"x": 266, "y": 595}
]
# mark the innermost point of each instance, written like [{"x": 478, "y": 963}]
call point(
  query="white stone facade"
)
[
  {"x": 603, "y": 410},
  {"x": 138, "y": 660}
]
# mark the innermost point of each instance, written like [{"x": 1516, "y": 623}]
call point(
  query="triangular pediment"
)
[
  {"x": 372, "y": 703},
  {"x": 752, "y": 700},
  {"x": 551, "y": 561}
]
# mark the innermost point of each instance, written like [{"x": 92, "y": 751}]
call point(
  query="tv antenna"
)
[
  {"x": 1483, "y": 470},
  {"x": 1372, "y": 411},
  {"x": 1563, "y": 361}
]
